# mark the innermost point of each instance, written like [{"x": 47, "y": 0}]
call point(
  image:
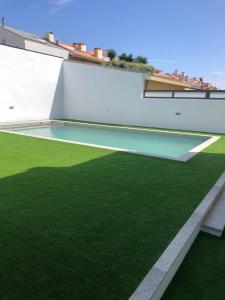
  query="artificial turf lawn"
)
[
  {"x": 86, "y": 223},
  {"x": 202, "y": 274}
]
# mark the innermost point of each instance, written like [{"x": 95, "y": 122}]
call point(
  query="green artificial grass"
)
[
  {"x": 201, "y": 276},
  {"x": 86, "y": 223}
]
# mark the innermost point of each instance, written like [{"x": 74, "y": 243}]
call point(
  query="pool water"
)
[{"x": 132, "y": 140}]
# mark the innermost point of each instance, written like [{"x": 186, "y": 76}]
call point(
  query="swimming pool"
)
[{"x": 170, "y": 145}]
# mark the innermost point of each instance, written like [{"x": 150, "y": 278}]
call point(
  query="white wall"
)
[
  {"x": 101, "y": 94},
  {"x": 98, "y": 94},
  {"x": 31, "y": 83},
  {"x": 45, "y": 48},
  {"x": 38, "y": 88}
]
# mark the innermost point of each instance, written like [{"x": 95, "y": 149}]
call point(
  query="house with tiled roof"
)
[
  {"x": 49, "y": 45},
  {"x": 176, "y": 81},
  {"x": 79, "y": 52},
  {"x": 28, "y": 41}
]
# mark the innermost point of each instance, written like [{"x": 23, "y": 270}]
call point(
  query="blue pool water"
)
[{"x": 139, "y": 141}]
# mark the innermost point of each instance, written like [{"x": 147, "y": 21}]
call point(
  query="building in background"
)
[
  {"x": 176, "y": 81},
  {"x": 31, "y": 42},
  {"x": 79, "y": 52},
  {"x": 50, "y": 46}
]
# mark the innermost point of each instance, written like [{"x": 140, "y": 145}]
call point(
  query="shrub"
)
[{"x": 121, "y": 64}]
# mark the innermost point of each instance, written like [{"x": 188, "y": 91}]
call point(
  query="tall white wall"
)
[
  {"x": 41, "y": 87},
  {"x": 94, "y": 93},
  {"x": 31, "y": 83}
]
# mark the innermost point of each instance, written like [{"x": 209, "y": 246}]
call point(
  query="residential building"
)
[
  {"x": 79, "y": 52},
  {"x": 49, "y": 45},
  {"x": 29, "y": 41},
  {"x": 176, "y": 81}
]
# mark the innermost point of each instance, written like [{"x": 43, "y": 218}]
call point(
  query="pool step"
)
[{"x": 215, "y": 220}]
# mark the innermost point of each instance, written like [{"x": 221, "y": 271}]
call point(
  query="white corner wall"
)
[
  {"x": 100, "y": 94},
  {"x": 94, "y": 93},
  {"x": 30, "y": 85}
]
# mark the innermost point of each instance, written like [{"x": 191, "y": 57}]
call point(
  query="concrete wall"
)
[
  {"x": 98, "y": 94},
  {"x": 11, "y": 39},
  {"x": 35, "y": 87},
  {"x": 30, "y": 85},
  {"x": 44, "y": 48},
  {"x": 101, "y": 94}
]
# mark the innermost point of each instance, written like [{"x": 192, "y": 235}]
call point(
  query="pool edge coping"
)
[{"x": 5, "y": 127}]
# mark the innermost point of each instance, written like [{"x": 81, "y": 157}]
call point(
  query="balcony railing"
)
[{"x": 189, "y": 94}]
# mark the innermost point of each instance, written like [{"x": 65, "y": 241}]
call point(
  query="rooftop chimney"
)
[
  {"x": 50, "y": 37},
  {"x": 76, "y": 45},
  {"x": 3, "y": 22},
  {"x": 82, "y": 47},
  {"x": 98, "y": 53}
]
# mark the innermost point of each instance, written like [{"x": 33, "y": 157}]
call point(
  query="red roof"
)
[
  {"x": 196, "y": 83},
  {"x": 88, "y": 55}
]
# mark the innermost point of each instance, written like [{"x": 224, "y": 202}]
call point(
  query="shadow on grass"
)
[{"x": 93, "y": 230}]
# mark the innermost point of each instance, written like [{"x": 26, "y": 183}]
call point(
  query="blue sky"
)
[{"x": 173, "y": 34}]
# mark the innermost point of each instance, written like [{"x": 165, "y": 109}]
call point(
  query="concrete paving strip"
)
[
  {"x": 160, "y": 275},
  {"x": 215, "y": 220},
  {"x": 21, "y": 124}
]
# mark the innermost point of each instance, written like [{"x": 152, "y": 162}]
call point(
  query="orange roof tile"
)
[
  {"x": 81, "y": 54},
  {"x": 181, "y": 78}
]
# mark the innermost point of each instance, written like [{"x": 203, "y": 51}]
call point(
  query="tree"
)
[
  {"x": 141, "y": 60},
  {"x": 126, "y": 57},
  {"x": 111, "y": 54},
  {"x": 130, "y": 58},
  {"x": 123, "y": 57}
]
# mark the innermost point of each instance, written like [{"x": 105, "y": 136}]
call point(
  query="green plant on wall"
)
[{"x": 133, "y": 66}]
